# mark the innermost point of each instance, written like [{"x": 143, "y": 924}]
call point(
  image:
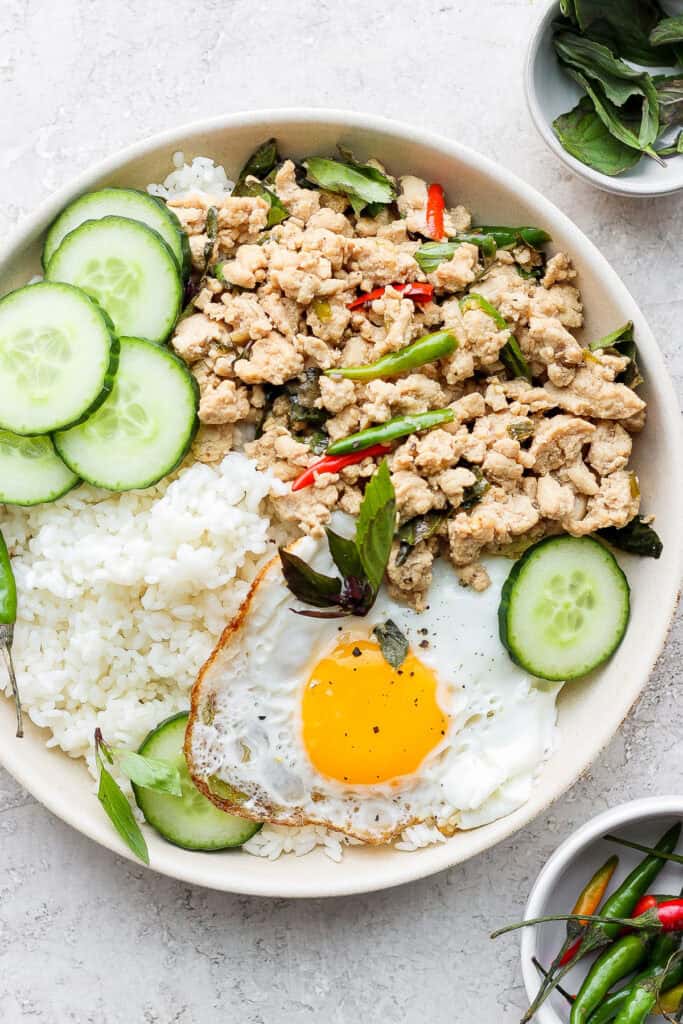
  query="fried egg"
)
[{"x": 299, "y": 720}]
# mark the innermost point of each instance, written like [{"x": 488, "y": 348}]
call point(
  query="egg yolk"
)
[{"x": 365, "y": 722}]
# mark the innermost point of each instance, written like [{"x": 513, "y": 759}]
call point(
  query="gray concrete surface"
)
[{"x": 87, "y": 937}]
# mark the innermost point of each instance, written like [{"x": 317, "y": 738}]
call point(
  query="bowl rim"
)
[
  {"x": 566, "y": 852},
  {"x": 632, "y": 187},
  {"x": 403, "y": 868}
]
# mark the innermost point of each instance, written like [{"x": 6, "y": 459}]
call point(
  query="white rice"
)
[
  {"x": 123, "y": 596},
  {"x": 202, "y": 175}
]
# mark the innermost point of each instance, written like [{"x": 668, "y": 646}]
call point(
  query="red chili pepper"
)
[
  {"x": 644, "y": 903},
  {"x": 670, "y": 915},
  {"x": 417, "y": 291},
  {"x": 436, "y": 204},
  {"x": 335, "y": 463}
]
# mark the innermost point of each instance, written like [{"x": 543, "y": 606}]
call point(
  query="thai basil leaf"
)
[
  {"x": 150, "y": 772},
  {"x": 583, "y": 134},
  {"x": 675, "y": 149},
  {"x": 509, "y": 237},
  {"x": 344, "y": 554},
  {"x": 624, "y": 26},
  {"x": 261, "y": 162},
  {"x": 623, "y": 343},
  {"x": 120, "y": 814},
  {"x": 361, "y": 183},
  {"x": 309, "y": 586},
  {"x": 613, "y": 119},
  {"x": 637, "y": 537},
  {"x": 473, "y": 494},
  {"x": 619, "y": 81},
  {"x": 417, "y": 529},
  {"x": 510, "y": 354},
  {"x": 303, "y": 394},
  {"x": 393, "y": 644},
  {"x": 430, "y": 255},
  {"x": 668, "y": 31},
  {"x": 211, "y": 235},
  {"x": 670, "y": 95},
  {"x": 252, "y": 187},
  {"x": 375, "y": 525}
]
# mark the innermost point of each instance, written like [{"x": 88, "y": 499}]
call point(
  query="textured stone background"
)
[{"x": 87, "y": 937}]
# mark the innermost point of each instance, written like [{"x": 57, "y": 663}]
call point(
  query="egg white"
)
[{"x": 246, "y": 729}]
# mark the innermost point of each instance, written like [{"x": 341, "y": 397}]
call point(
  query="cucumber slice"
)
[
  {"x": 145, "y": 427},
  {"x": 129, "y": 269},
  {"x": 31, "y": 472},
  {"x": 190, "y": 820},
  {"x": 564, "y": 608},
  {"x": 120, "y": 202},
  {"x": 58, "y": 358}
]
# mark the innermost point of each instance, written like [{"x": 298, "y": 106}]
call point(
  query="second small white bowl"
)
[
  {"x": 551, "y": 92},
  {"x": 571, "y": 865}
]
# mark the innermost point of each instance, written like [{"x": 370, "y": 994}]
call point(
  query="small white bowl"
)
[
  {"x": 568, "y": 870},
  {"x": 551, "y": 92}
]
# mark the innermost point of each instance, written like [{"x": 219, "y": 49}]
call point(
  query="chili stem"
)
[
  {"x": 544, "y": 974},
  {"x": 626, "y": 922},
  {"x": 675, "y": 857}
]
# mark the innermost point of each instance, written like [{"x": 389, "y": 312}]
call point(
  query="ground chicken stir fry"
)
[{"x": 520, "y": 458}]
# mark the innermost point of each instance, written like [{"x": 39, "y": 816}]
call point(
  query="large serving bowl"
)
[{"x": 590, "y": 711}]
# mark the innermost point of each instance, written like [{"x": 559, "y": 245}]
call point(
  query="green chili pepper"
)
[
  {"x": 639, "y": 1005},
  {"x": 508, "y": 238},
  {"x": 510, "y": 355},
  {"x": 662, "y": 950},
  {"x": 8, "y": 616},
  {"x": 400, "y": 426},
  {"x": 424, "y": 350},
  {"x": 627, "y": 954}
]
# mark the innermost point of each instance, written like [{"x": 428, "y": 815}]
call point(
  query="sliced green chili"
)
[
  {"x": 399, "y": 426},
  {"x": 424, "y": 350},
  {"x": 8, "y": 616},
  {"x": 510, "y": 355}
]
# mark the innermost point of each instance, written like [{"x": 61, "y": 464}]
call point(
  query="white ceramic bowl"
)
[
  {"x": 590, "y": 711},
  {"x": 568, "y": 870},
  {"x": 551, "y": 92}
]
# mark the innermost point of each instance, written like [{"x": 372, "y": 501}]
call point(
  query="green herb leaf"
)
[
  {"x": 430, "y": 255},
  {"x": 393, "y": 644},
  {"x": 510, "y": 354},
  {"x": 261, "y": 162},
  {"x": 619, "y": 80},
  {"x": 473, "y": 494},
  {"x": 375, "y": 525},
  {"x": 150, "y": 772},
  {"x": 623, "y": 343},
  {"x": 567, "y": 9},
  {"x": 361, "y": 183},
  {"x": 624, "y": 26},
  {"x": 120, "y": 814},
  {"x": 667, "y": 31},
  {"x": 675, "y": 149},
  {"x": 670, "y": 95},
  {"x": 344, "y": 554},
  {"x": 250, "y": 186},
  {"x": 617, "y": 123},
  {"x": 418, "y": 529},
  {"x": 583, "y": 134},
  {"x": 303, "y": 393},
  {"x": 520, "y": 430},
  {"x": 637, "y": 537},
  {"x": 309, "y": 586}
]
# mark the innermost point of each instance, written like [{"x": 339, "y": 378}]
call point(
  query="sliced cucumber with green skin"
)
[
  {"x": 58, "y": 357},
  {"x": 129, "y": 269},
  {"x": 144, "y": 429},
  {"x": 31, "y": 472},
  {"x": 120, "y": 202},
  {"x": 190, "y": 820},
  {"x": 564, "y": 608}
]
